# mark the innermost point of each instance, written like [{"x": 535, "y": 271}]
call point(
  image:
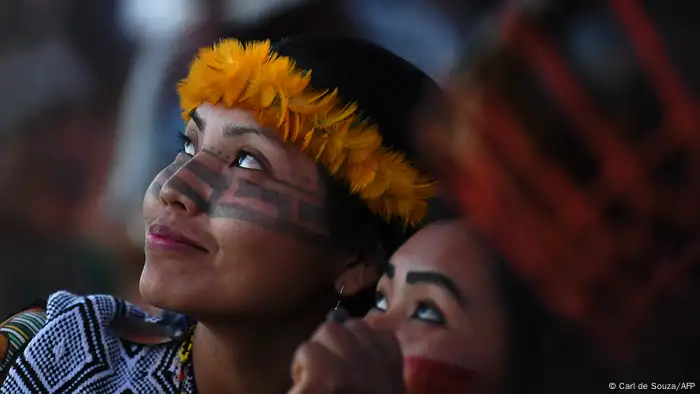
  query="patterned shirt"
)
[{"x": 95, "y": 344}]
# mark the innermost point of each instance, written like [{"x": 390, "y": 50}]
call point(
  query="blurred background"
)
[{"x": 89, "y": 114}]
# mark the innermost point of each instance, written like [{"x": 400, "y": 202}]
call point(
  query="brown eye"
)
[
  {"x": 187, "y": 145},
  {"x": 189, "y": 148},
  {"x": 248, "y": 161}
]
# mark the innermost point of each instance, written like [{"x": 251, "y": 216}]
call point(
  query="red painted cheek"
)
[{"x": 425, "y": 376}]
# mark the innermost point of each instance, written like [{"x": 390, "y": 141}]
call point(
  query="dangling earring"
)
[
  {"x": 340, "y": 295},
  {"x": 338, "y": 315}
]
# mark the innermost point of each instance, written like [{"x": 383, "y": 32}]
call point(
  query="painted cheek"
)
[
  {"x": 152, "y": 194},
  {"x": 165, "y": 174},
  {"x": 424, "y": 376}
]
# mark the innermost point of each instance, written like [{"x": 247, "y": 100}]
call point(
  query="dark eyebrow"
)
[
  {"x": 197, "y": 120},
  {"x": 238, "y": 130},
  {"x": 436, "y": 278}
]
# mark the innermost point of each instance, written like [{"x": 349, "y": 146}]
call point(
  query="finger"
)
[
  {"x": 378, "y": 339},
  {"x": 383, "y": 344},
  {"x": 392, "y": 348},
  {"x": 315, "y": 369},
  {"x": 338, "y": 315},
  {"x": 338, "y": 340},
  {"x": 376, "y": 360},
  {"x": 365, "y": 336}
]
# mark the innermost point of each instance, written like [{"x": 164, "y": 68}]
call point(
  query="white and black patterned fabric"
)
[{"x": 78, "y": 352}]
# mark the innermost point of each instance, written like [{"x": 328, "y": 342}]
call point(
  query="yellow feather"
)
[
  {"x": 322, "y": 104},
  {"x": 284, "y": 104},
  {"x": 304, "y": 81},
  {"x": 296, "y": 127},
  {"x": 295, "y": 83},
  {"x": 375, "y": 189},
  {"x": 304, "y": 99},
  {"x": 237, "y": 84},
  {"x": 361, "y": 175},
  {"x": 254, "y": 78},
  {"x": 336, "y": 163},
  {"x": 285, "y": 130},
  {"x": 361, "y": 138},
  {"x": 258, "y": 51},
  {"x": 308, "y": 137},
  {"x": 424, "y": 189},
  {"x": 319, "y": 144},
  {"x": 337, "y": 115},
  {"x": 266, "y": 96}
]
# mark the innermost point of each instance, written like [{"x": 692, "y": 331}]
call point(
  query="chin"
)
[
  {"x": 193, "y": 294},
  {"x": 167, "y": 290}
]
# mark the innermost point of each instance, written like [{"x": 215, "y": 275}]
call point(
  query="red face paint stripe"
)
[
  {"x": 655, "y": 61},
  {"x": 571, "y": 207},
  {"x": 620, "y": 166},
  {"x": 424, "y": 376},
  {"x": 500, "y": 210}
]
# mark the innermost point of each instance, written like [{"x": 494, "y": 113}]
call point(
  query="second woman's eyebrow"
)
[{"x": 438, "y": 279}]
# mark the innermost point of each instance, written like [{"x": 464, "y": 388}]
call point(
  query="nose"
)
[
  {"x": 383, "y": 321},
  {"x": 181, "y": 195}
]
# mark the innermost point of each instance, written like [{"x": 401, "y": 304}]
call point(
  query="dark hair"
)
[
  {"x": 390, "y": 92},
  {"x": 527, "y": 323},
  {"x": 526, "y": 330},
  {"x": 541, "y": 345}
]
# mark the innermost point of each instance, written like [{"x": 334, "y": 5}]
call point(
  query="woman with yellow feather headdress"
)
[{"x": 293, "y": 182}]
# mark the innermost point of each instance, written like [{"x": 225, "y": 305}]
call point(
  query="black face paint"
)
[
  {"x": 213, "y": 179},
  {"x": 186, "y": 190},
  {"x": 289, "y": 208},
  {"x": 282, "y": 202},
  {"x": 265, "y": 220},
  {"x": 311, "y": 214}
]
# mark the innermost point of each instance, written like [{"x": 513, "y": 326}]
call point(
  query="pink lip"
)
[{"x": 162, "y": 237}]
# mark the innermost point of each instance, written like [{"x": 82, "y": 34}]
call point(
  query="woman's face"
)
[
  {"x": 439, "y": 297},
  {"x": 236, "y": 224}
]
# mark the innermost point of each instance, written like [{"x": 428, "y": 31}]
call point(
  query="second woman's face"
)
[
  {"x": 439, "y": 297},
  {"x": 236, "y": 224}
]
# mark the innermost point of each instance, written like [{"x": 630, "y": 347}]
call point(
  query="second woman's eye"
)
[
  {"x": 248, "y": 161},
  {"x": 380, "y": 302},
  {"x": 429, "y": 313}
]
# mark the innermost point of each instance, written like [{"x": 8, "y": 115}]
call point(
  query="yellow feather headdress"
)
[{"x": 255, "y": 78}]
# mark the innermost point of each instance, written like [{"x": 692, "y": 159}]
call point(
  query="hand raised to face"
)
[{"x": 350, "y": 358}]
